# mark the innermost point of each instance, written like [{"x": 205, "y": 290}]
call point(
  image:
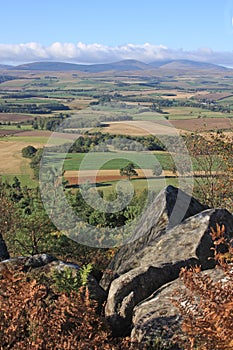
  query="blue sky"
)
[{"x": 99, "y": 30}]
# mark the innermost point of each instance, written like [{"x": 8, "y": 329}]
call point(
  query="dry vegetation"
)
[
  {"x": 207, "y": 305},
  {"x": 36, "y": 317}
]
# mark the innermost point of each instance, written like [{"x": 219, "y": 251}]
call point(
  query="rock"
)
[
  {"x": 3, "y": 249},
  {"x": 186, "y": 244},
  {"x": 25, "y": 263},
  {"x": 169, "y": 208},
  {"x": 158, "y": 316},
  {"x": 38, "y": 260}
]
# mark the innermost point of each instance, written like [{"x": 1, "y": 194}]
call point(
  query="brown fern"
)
[
  {"x": 33, "y": 316},
  {"x": 207, "y": 306}
]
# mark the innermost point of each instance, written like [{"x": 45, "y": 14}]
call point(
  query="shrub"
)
[
  {"x": 68, "y": 280},
  {"x": 29, "y": 151}
]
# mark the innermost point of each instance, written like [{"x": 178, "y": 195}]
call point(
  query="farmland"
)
[{"x": 116, "y": 103}]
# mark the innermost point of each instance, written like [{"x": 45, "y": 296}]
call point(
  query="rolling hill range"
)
[
  {"x": 124, "y": 65},
  {"x": 5, "y": 66},
  {"x": 186, "y": 64}
]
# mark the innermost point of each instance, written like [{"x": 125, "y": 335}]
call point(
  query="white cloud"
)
[{"x": 97, "y": 53}]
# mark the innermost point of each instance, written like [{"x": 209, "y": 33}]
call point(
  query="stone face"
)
[
  {"x": 168, "y": 209},
  {"x": 38, "y": 260},
  {"x": 3, "y": 250},
  {"x": 158, "y": 316},
  {"x": 158, "y": 263}
]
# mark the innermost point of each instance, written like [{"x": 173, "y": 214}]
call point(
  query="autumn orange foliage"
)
[
  {"x": 33, "y": 316},
  {"x": 206, "y": 306}
]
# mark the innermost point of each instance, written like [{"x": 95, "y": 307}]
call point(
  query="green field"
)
[
  {"x": 154, "y": 184},
  {"x": 191, "y": 113},
  {"x": 36, "y": 139},
  {"x": 111, "y": 160},
  {"x": 28, "y": 139},
  {"x": 25, "y": 180},
  {"x": 15, "y": 127}
]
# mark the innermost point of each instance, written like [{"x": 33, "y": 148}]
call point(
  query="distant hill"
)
[
  {"x": 185, "y": 64},
  {"x": 124, "y": 65},
  {"x": 5, "y": 66}
]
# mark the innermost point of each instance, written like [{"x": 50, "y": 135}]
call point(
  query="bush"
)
[
  {"x": 68, "y": 280},
  {"x": 29, "y": 151}
]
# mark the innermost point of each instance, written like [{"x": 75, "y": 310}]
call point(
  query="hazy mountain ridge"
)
[
  {"x": 5, "y": 66},
  {"x": 124, "y": 65}
]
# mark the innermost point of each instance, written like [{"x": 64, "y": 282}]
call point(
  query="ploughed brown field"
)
[
  {"x": 8, "y": 132},
  {"x": 203, "y": 124},
  {"x": 14, "y": 117},
  {"x": 163, "y": 127},
  {"x": 38, "y": 133},
  {"x": 212, "y": 96},
  {"x": 93, "y": 176}
]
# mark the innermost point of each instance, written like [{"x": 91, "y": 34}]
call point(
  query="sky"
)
[{"x": 98, "y": 31}]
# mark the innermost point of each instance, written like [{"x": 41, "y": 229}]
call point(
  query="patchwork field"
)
[{"x": 122, "y": 103}]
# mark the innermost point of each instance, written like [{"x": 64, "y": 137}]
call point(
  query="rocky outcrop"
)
[
  {"x": 169, "y": 209},
  {"x": 3, "y": 249},
  {"x": 174, "y": 232},
  {"x": 155, "y": 261},
  {"x": 158, "y": 316}
]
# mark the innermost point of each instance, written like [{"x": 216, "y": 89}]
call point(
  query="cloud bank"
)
[{"x": 97, "y": 53}]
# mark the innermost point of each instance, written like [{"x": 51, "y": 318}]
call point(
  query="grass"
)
[
  {"x": 42, "y": 140},
  {"x": 191, "y": 113},
  {"x": 227, "y": 100},
  {"x": 111, "y": 160},
  {"x": 31, "y": 100},
  {"x": 154, "y": 184},
  {"x": 14, "y": 127},
  {"x": 27, "y": 139},
  {"x": 24, "y": 179}
]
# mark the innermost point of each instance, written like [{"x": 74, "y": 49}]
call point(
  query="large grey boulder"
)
[
  {"x": 160, "y": 261},
  {"x": 3, "y": 249},
  {"x": 158, "y": 315},
  {"x": 169, "y": 209}
]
